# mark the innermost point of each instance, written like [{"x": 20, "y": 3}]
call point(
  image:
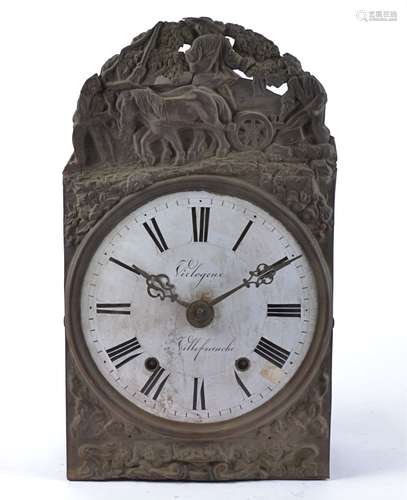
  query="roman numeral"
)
[
  {"x": 156, "y": 236},
  {"x": 241, "y": 384},
  {"x": 153, "y": 381},
  {"x": 198, "y": 394},
  {"x": 116, "y": 308},
  {"x": 272, "y": 352},
  {"x": 284, "y": 310},
  {"x": 200, "y": 228},
  {"x": 124, "y": 350},
  {"x": 244, "y": 232}
]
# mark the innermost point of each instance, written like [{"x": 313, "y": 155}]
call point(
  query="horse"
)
[{"x": 169, "y": 115}]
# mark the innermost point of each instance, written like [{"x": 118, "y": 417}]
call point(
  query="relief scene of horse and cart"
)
[{"x": 183, "y": 92}]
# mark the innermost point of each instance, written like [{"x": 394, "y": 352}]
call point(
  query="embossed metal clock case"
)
[{"x": 198, "y": 237}]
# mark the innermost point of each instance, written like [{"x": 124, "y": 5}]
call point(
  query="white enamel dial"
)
[{"x": 151, "y": 352}]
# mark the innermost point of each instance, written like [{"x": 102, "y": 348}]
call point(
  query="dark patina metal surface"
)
[{"x": 157, "y": 114}]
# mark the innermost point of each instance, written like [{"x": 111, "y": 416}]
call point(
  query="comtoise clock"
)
[{"x": 198, "y": 235}]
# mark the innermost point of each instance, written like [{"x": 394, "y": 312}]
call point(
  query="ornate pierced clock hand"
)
[
  {"x": 262, "y": 275},
  {"x": 159, "y": 285}
]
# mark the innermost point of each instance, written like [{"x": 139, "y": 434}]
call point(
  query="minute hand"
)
[{"x": 262, "y": 275}]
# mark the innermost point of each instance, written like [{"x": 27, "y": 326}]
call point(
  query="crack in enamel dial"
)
[{"x": 191, "y": 357}]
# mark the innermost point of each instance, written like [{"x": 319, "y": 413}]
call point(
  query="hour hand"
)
[
  {"x": 159, "y": 285},
  {"x": 262, "y": 275}
]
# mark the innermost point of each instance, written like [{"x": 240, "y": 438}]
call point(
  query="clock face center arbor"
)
[{"x": 200, "y": 314}]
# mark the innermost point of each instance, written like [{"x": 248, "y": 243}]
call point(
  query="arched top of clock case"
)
[
  {"x": 186, "y": 91},
  {"x": 219, "y": 185}
]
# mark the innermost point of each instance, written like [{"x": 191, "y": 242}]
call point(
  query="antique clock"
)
[{"x": 198, "y": 215}]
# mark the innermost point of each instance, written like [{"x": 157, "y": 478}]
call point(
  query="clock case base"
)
[{"x": 297, "y": 165}]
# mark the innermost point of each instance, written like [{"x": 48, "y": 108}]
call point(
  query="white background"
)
[{"x": 48, "y": 49}]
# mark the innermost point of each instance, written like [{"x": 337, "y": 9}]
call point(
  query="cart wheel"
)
[{"x": 252, "y": 130}]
